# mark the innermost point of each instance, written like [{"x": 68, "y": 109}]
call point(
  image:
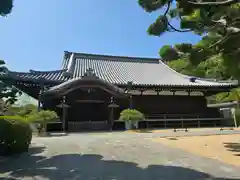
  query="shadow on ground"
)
[
  {"x": 90, "y": 166},
  {"x": 172, "y": 138},
  {"x": 142, "y": 130},
  {"x": 234, "y": 147}
]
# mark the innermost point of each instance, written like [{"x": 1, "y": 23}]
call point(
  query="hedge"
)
[{"x": 15, "y": 135}]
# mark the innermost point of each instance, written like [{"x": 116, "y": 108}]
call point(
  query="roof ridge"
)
[
  {"x": 52, "y": 71},
  {"x": 116, "y": 58}
]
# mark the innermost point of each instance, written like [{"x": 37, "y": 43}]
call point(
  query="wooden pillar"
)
[
  {"x": 64, "y": 113},
  {"x": 199, "y": 123},
  {"x": 111, "y": 115},
  {"x": 130, "y": 97},
  {"x": 40, "y": 100},
  {"x": 238, "y": 95},
  {"x": 111, "y": 107},
  {"x": 173, "y": 91},
  {"x": 130, "y": 102},
  {"x": 64, "y": 108},
  {"x": 40, "y": 93}
]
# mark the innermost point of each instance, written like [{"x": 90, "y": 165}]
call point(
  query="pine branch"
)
[
  {"x": 178, "y": 30},
  {"x": 211, "y": 3},
  {"x": 171, "y": 26},
  {"x": 168, "y": 7}
]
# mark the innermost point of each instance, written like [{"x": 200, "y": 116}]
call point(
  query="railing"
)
[
  {"x": 181, "y": 123},
  {"x": 167, "y": 116}
]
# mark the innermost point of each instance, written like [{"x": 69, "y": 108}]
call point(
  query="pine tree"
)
[
  {"x": 218, "y": 22},
  {"x": 5, "y": 7}
]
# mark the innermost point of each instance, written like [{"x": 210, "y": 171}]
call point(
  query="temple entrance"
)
[
  {"x": 88, "y": 101},
  {"x": 88, "y": 109}
]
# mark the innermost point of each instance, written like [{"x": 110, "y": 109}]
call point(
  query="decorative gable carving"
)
[{"x": 89, "y": 74}]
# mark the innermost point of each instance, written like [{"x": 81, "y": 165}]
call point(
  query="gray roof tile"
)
[
  {"x": 140, "y": 71},
  {"x": 39, "y": 75},
  {"x": 117, "y": 70}
]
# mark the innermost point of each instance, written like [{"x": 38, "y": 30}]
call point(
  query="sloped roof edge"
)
[{"x": 203, "y": 80}]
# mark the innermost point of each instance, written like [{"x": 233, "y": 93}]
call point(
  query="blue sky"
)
[{"x": 37, "y": 32}]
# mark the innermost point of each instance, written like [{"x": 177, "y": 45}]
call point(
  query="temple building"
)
[{"x": 90, "y": 91}]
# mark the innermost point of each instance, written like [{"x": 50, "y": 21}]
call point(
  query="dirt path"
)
[{"x": 225, "y": 148}]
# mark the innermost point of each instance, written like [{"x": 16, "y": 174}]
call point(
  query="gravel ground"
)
[{"x": 111, "y": 156}]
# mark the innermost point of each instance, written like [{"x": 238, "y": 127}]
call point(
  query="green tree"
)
[
  {"x": 5, "y": 7},
  {"x": 218, "y": 22},
  {"x": 233, "y": 95},
  {"x": 217, "y": 54},
  {"x": 8, "y": 92},
  {"x": 213, "y": 67}
]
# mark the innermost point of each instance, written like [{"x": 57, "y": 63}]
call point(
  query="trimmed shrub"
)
[
  {"x": 15, "y": 135},
  {"x": 131, "y": 115},
  {"x": 42, "y": 118}
]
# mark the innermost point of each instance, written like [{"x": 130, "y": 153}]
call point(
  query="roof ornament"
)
[
  {"x": 67, "y": 54},
  {"x": 193, "y": 79},
  {"x": 89, "y": 74}
]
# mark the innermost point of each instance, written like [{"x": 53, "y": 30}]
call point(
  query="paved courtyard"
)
[{"x": 111, "y": 156}]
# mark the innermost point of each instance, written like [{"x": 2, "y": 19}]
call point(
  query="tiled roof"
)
[
  {"x": 39, "y": 75},
  {"x": 121, "y": 70},
  {"x": 118, "y": 70}
]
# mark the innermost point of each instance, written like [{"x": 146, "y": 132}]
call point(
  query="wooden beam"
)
[
  {"x": 89, "y": 101},
  {"x": 90, "y": 86}
]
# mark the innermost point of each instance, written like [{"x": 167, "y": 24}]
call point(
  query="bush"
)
[
  {"x": 131, "y": 115},
  {"x": 42, "y": 118},
  {"x": 15, "y": 135},
  {"x": 27, "y": 110}
]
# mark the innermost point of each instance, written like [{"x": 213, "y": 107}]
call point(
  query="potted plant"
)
[
  {"x": 131, "y": 117},
  {"x": 42, "y": 118}
]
